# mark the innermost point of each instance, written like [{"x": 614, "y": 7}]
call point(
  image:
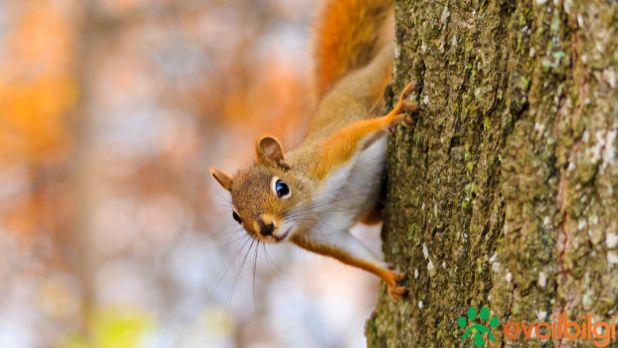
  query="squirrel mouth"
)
[{"x": 283, "y": 236}]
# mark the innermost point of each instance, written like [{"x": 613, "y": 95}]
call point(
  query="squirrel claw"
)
[
  {"x": 408, "y": 106},
  {"x": 404, "y": 105},
  {"x": 398, "y": 276},
  {"x": 408, "y": 89},
  {"x": 397, "y": 292},
  {"x": 405, "y": 118}
]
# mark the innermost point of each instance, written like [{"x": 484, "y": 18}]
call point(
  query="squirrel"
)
[{"x": 312, "y": 195}]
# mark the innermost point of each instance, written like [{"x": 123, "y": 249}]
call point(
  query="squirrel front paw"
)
[
  {"x": 395, "y": 290},
  {"x": 401, "y": 110},
  {"x": 399, "y": 118},
  {"x": 403, "y": 105}
]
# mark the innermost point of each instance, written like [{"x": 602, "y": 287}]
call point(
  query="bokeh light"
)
[{"x": 112, "y": 232}]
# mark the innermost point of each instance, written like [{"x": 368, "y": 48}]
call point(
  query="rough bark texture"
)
[{"x": 505, "y": 191}]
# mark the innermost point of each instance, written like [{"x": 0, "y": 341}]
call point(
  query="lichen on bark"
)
[{"x": 504, "y": 192}]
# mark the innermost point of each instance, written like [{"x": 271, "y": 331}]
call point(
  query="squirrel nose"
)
[{"x": 267, "y": 229}]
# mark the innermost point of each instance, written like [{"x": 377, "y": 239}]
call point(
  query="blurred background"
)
[{"x": 112, "y": 233}]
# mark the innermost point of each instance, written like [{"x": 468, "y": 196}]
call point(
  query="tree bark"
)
[{"x": 504, "y": 193}]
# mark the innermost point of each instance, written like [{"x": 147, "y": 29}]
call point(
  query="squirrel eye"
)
[
  {"x": 280, "y": 188},
  {"x": 236, "y": 217}
]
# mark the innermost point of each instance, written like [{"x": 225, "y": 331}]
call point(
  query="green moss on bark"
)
[{"x": 505, "y": 191}]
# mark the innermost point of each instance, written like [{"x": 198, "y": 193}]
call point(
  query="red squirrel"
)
[{"x": 312, "y": 195}]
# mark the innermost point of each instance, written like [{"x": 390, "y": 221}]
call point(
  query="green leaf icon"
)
[{"x": 478, "y": 331}]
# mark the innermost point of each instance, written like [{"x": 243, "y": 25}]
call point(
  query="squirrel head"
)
[{"x": 264, "y": 194}]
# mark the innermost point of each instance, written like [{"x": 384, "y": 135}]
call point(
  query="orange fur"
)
[
  {"x": 348, "y": 35},
  {"x": 343, "y": 144},
  {"x": 390, "y": 277}
]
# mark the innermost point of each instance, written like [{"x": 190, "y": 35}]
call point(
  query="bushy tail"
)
[{"x": 349, "y": 34}]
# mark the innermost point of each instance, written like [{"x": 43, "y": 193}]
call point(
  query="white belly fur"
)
[{"x": 349, "y": 193}]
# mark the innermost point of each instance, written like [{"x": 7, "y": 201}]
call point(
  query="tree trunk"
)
[{"x": 505, "y": 191}]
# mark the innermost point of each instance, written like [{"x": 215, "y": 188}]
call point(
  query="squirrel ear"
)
[
  {"x": 269, "y": 151},
  {"x": 223, "y": 179}
]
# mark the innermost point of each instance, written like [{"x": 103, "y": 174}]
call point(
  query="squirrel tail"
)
[{"x": 349, "y": 34}]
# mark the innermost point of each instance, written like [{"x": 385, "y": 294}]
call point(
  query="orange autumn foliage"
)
[{"x": 36, "y": 86}]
